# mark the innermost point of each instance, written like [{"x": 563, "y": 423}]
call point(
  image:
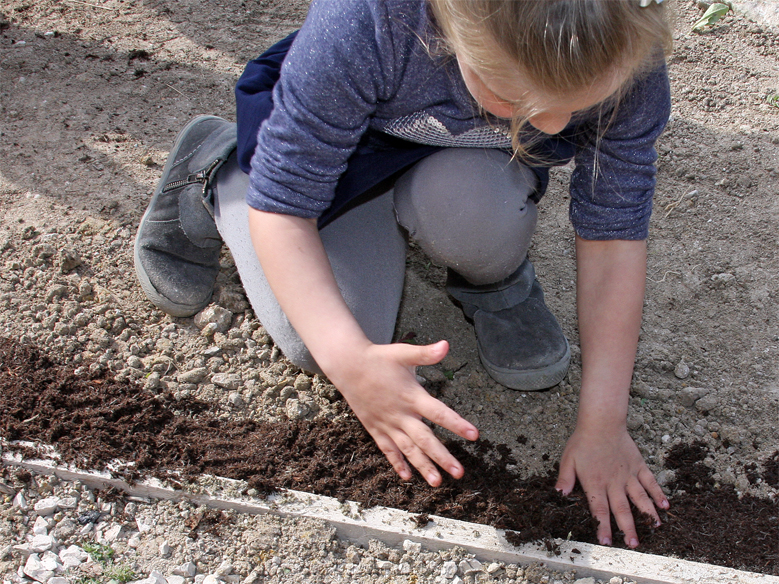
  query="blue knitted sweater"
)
[{"x": 363, "y": 92}]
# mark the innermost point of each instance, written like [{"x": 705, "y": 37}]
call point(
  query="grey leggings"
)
[{"x": 468, "y": 209}]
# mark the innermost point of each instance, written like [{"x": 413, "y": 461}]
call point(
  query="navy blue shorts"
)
[{"x": 378, "y": 156}]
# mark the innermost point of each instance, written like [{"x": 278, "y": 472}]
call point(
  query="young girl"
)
[{"x": 435, "y": 120}]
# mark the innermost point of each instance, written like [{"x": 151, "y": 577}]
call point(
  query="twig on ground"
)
[
  {"x": 88, "y": 4},
  {"x": 174, "y": 89},
  {"x": 664, "y": 277},
  {"x": 671, "y": 206}
]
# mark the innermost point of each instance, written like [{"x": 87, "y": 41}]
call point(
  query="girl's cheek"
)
[{"x": 500, "y": 109}]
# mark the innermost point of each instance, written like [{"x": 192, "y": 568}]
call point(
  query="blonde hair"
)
[{"x": 560, "y": 46}]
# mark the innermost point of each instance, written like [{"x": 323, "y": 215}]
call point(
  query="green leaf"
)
[
  {"x": 102, "y": 554},
  {"x": 712, "y": 15}
]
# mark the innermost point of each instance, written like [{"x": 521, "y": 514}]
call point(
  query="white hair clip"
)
[{"x": 645, "y": 3}]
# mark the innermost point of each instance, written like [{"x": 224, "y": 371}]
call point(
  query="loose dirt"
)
[
  {"x": 92, "y": 95},
  {"x": 95, "y": 422}
]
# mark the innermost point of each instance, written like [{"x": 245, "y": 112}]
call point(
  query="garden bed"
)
[{"x": 95, "y": 421}]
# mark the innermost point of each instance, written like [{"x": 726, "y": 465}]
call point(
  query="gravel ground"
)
[
  {"x": 59, "y": 532},
  {"x": 91, "y": 98}
]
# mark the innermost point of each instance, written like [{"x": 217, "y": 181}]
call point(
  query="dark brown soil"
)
[{"x": 94, "y": 421}]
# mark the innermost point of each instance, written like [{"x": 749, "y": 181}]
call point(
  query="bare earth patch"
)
[{"x": 92, "y": 95}]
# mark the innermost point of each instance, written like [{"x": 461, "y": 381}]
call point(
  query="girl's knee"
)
[{"x": 470, "y": 210}]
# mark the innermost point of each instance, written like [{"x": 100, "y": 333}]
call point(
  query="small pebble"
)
[
  {"x": 682, "y": 370},
  {"x": 46, "y": 506},
  {"x": 165, "y": 549},
  {"x": 494, "y": 567},
  {"x": 448, "y": 570}
]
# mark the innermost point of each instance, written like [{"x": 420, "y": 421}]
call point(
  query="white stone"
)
[
  {"x": 224, "y": 569},
  {"x": 193, "y": 375},
  {"x": 187, "y": 570},
  {"x": 456, "y": 580},
  {"x": 212, "y": 579},
  {"x": 235, "y": 400},
  {"x": 214, "y": 315},
  {"x": 226, "y": 380},
  {"x": 47, "y": 506},
  {"x": 134, "y": 541},
  {"x": 73, "y": 556},
  {"x": 449, "y": 570},
  {"x": 41, "y": 543},
  {"x": 615, "y": 580},
  {"x": 589, "y": 580},
  {"x": 20, "y": 502},
  {"x": 412, "y": 547},
  {"x": 113, "y": 533},
  {"x": 35, "y": 569},
  {"x": 173, "y": 579},
  {"x": 22, "y": 548},
  {"x": 296, "y": 409},
  {"x": 157, "y": 577},
  {"x": 58, "y": 580},
  {"x": 404, "y": 568},
  {"x": 164, "y": 549},
  {"x": 384, "y": 564},
  {"x": 41, "y": 527},
  {"x": 352, "y": 555},
  {"x": 51, "y": 561},
  {"x": 494, "y": 567},
  {"x": 68, "y": 503},
  {"x": 471, "y": 566},
  {"x": 142, "y": 527}
]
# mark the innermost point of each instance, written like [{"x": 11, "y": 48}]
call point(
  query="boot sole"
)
[
  {"x": 530, "y": 379},
  {"x": 164, "y": 304}
]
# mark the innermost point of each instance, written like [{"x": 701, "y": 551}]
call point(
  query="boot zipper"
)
[{"x": 199, "y": 177}]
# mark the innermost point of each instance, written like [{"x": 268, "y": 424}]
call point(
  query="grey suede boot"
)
[
  {"x": 521, "y": 344},
  {"x": 177, "y": 246}
]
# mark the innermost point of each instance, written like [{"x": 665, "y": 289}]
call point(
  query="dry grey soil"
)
[{"x": 93, "y": 93}]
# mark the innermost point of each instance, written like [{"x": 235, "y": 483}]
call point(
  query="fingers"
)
[
  {"x": 444, "y": 416},
  {"x": 419, "y": 459},
  {"x": 566, "y": 478},
  {"x": 623, "y": 514},
  {"x": 618, "y": 502},
  {"x": 649, "y": 482},
  {"x": 599, "y": 508},
  {"x": 414, "y": 355},
  {"x": 421, "y": 448},
  {"x": 394, "y": 456}
]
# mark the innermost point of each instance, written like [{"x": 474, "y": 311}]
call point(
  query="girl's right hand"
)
[
  {"x": 378, "y": 381},
  {"x": 380, "y": 385}
]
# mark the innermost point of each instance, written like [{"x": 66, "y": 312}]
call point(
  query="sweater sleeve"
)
[
  {"x": 614, "y": 179},
  {"x": 339, "y": 66}
]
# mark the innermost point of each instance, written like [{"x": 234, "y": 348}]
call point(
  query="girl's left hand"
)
[{"x": 612, "y": 473}]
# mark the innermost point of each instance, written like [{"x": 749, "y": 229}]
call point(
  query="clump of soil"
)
[{"x": 94, "y": 421}]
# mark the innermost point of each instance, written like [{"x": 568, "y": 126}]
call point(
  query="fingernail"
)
[
  {"x": 605, "y": 541},
  {"x": 665, "y": 504},
  {"x": 633, "y": 543},
  {"x": 473, "y": 435}
]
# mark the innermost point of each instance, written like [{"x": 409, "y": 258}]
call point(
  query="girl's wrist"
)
[
  {"x": 341, "y": 354},
  {"x": 602, "y": 411}
]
